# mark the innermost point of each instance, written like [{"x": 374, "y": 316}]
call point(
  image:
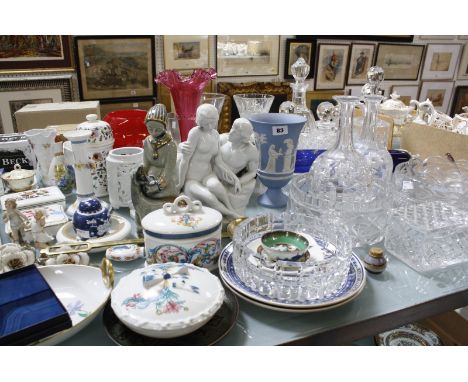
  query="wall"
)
[{"x": 387, "y": 85}]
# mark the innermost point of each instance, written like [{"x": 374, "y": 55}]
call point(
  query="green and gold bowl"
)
[{"x": 284, "y": 245}]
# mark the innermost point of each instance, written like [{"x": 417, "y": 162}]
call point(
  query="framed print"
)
[
  {"x": 440, "y": 62},
  {"x": 38, "y": 52},
  {"x": 238, "y": 56},
  {"x": 438, "y": 93},
  {"x": 299, "y": 48},
  {"x": 361, "y": 59},
  {"x": 460, "y": 100},
  {"x": 463, "y": 67},
  {"x": 400, "y": 62},
  {"x": 109, "y": 106},
  {"x": 386, "y": 38},
  {"x": 186, "y": 52},
  {"x": 112, "y": 67},
  {"x": 332, "y": 63},
  {"x": 20, "y": 91},
  {"x": 406, "y": 92}
]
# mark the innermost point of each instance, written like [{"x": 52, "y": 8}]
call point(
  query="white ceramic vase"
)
[
  {"x": 120, "y": 164},
  {"x": 42, "y": 142},
  {"x": 100, "y": 142}
]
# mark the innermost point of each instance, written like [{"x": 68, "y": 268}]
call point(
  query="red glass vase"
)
[{"x": 186, "y": 93}]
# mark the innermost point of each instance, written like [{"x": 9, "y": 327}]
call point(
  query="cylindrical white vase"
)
[{"x": 120, "y": 164}]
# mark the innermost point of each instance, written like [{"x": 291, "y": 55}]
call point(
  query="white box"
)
[{"x": 35, "y": 198}]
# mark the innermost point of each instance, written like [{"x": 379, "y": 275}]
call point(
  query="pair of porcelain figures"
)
[{"x": 218, "y": 170}]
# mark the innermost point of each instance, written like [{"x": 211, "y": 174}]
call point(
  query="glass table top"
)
[{"x": 394, "y": 297}]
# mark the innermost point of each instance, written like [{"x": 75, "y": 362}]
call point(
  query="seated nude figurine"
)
[
  {"x": 241, "y": 156},
  {"x": 199, "y": 154},
  {"x": 154, "y": 183}
]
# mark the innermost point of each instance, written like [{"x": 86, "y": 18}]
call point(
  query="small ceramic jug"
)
[{"x": 426, "y": 112}]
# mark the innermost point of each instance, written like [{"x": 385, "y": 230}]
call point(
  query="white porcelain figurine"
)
[
  {"x": 198, "y": 155},
  {"x": 241, "y": 156}
]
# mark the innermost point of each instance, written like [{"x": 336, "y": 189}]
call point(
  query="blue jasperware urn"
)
[
  {"x": 276, "y": 137},
  {"x": 91, "y": 219}
]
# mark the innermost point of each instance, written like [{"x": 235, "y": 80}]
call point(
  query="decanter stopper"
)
[
  {"x": 300, "y": 70},
  {"x": 375, "y": 75}
]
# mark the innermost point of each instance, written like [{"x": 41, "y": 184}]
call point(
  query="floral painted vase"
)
[{"x": 100, "y": 143}]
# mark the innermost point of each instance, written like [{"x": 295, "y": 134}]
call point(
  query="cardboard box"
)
[
  {"x": 39, "y": 116},
  {"x": 430, "y": 141}
]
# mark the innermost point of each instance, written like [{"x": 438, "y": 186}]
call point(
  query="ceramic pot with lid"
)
[
  {"x": 19, "y": 179},
  {"x": 91, "y": 219},
  {"x": 184, "y": 232},
  {"x": 395, "y": 108},
  {"x": 167, "y": 300},
  {"x": 100, "y": 143}
]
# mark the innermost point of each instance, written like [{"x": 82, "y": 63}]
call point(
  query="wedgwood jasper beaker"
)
[{"x": 276, "y": 136}]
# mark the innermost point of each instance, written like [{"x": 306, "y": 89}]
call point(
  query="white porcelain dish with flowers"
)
[{"x": 167, "y": 300}]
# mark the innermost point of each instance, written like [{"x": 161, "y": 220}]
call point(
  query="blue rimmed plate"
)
[{"x": 351, "y": 288}]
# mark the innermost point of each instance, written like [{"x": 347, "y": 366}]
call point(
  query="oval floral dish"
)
[
  {"x": 167, "y": 300},
  {"x": 408, "y": 335}
]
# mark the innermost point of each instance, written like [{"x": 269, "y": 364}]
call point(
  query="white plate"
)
[
  {"x": 81, "y": 291},
  {"x": 119, "y": 230},
  {"x": 352, "y": 287}
]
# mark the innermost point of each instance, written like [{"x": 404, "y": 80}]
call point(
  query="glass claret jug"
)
[{"x": 342, "y": 183}]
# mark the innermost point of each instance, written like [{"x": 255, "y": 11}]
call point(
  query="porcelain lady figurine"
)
[
  {"x": 40, "y": 237},
  {"x": 18, "y": 221},
  {"x": 241, "y": 156},
  {"x": 154, "y": 183},
  {"x": 196, "y": 173}
]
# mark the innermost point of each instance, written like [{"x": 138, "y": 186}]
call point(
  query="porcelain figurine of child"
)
[
  {"x": 198, "y": 154},
  {"x": 40, "y": 237},
  {"x": 241, "y": 156},
  {"x": 18, "y": 221},
  {"x": 154, "y": 183}
]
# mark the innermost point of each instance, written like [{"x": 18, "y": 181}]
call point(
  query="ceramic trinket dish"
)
[
  {"x": 167, "y": 300},
  {"x": 284, "y": 245},
  {"x": 408, "y": 335},
  {"x": 100, "y": 142},
  {"x": 183, "y": 231},
  {"x": 19, "y": 179},
  {"x": 124, "y": 252}
]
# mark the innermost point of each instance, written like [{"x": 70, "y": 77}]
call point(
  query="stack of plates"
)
[{"x": 351, "y": 288}]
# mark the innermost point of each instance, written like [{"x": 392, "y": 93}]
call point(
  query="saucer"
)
[
  {"x": 119, "y": 229},
  {"x": 408, "y": 335}
]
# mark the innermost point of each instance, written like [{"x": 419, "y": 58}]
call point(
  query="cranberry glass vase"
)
[{"x": 186, "y": 93}]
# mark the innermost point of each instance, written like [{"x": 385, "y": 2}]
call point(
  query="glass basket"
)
[{"x": 323, "y": 271}]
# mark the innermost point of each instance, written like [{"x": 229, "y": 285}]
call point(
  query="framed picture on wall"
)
[
  {"x": 436, "y": 37},
  {"x": 406, "y": 92},
  {"x": 296, "y": 49},
  {"x": 37, "y": 52},
  {"x": 238, "y": 56},
  {"x": 441, "y": 60},
  {"x": 332, "y": 64},
  {"x": 16, "y": 92},
  {"x": 361, "y": 59},
  {"x": 386, "y": 38},
  {"x": 463, "y": 68},
  {"x": 439, "y": 93},
  {"x": 112, "y": 67},
  {"x": 460, "y": 100},
  {"x": 186, "y": 52},
  {"x": 400, "y": 61}
]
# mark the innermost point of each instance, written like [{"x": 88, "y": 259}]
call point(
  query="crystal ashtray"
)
[
  {"x": 319, "y": 275},
  {"x": 428, "y": 236}
]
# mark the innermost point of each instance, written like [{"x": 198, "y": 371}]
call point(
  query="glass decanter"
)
[{"x": 341, "y": 183}]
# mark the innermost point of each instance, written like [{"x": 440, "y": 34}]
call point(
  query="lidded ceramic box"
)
[
  {"x": 183, "y": 231},
  {"x": 35, "y": 198},
  {"x": 100, "y": 143},
  {"x": 167, "y": 300}
]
